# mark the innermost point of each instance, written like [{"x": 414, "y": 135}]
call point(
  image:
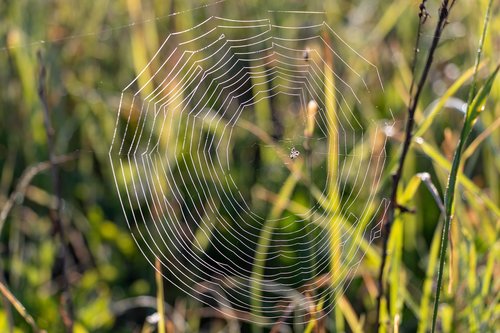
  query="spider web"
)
[{"x": 218, "y": 180}]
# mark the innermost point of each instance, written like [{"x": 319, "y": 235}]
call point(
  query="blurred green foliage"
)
[{"x": 92, "y": 50}]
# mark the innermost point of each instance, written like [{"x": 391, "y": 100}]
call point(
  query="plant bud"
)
[{"x": 312, "y": 109}]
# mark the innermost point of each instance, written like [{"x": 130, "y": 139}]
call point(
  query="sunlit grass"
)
[{"x": 92, "y": 50}]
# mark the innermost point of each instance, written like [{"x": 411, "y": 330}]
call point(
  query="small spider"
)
[
  {"x": 294, "y": 153},
  {"x": 305, "y": 54}
]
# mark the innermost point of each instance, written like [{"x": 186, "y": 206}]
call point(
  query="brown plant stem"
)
[
  {"x": 65, "y": 299},
  {"x": 24, "y": 181},
  {"x": 449, "y": 197},
  {"x": 19, "y": 307},
  {"x": 410, "y": 123},
  {"x": 6, "y": 303}
]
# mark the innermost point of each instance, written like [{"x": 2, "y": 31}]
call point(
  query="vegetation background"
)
[{"x": 92, "y": 49}]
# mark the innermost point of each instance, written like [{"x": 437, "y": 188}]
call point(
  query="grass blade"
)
[
  {"x": 428, "y": 282},
  {"x": 159, "y": 297},
  {"x": 262, "y": 247},
  {"x": 429, "y": 119},
  {"x": 19, "y": 307},
  {"x": 473, "y": 111},
  {"x": 475, "y": 106},
  {"x": 441, "y": 161},
  {"x": 333, "y": 191}
]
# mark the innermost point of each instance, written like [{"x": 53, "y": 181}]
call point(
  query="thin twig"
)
[
  {"x": 422, "y": 15},
  {"x": 425, "y": 177},
  {"x": 19, "y": 307},
  {"x": 393, "y": 204},
  {"x": 29, "y": 173},
  {"x": 281, "y": 321},
  {"x": 66, "y": 302},
  {"x": 6, "y": 303}
]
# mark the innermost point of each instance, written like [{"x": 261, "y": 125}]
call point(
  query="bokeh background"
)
[{"x": 92, "y": 50}]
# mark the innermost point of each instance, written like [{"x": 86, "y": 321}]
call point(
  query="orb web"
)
[{"x": 247, "y": 158}]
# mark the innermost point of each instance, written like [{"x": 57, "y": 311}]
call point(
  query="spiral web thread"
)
[{"x": 202, "y": 161}]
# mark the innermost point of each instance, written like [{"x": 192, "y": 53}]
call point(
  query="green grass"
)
[{"x": 92, "y": 51}]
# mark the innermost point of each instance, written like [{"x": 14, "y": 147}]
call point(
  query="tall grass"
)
[
  {"x": 475, "y": 105},
  {"x": 93, "y": 49}
]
